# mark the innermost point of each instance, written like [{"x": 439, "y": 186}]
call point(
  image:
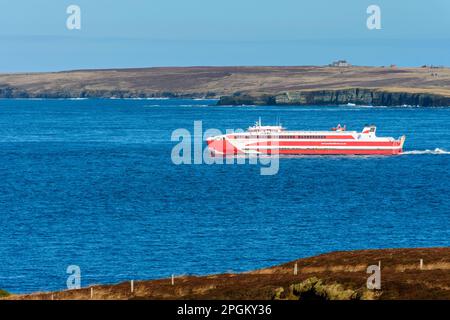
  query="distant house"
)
[
  {"x": 432, "y": 66},
  {"x": 340, "y": 63}
]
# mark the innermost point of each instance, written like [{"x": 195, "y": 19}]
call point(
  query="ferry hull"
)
[
  {"x": 218, "y": 149},
  {"x": 230, "y": 147},
  {"x": 222, "y": 147},
  {"x": 338, "y": 152}
]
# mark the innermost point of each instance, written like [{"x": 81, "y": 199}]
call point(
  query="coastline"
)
[
  {"x": 419, "y": 273},
  {"x": 355, "y": 96},
  {"x": 299, "y": 85}
]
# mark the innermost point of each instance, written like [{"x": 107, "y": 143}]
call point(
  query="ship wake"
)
[{"x": 427, "y": 151}]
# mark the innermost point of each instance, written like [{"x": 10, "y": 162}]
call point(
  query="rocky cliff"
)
[{"x": 359, "y": 96}]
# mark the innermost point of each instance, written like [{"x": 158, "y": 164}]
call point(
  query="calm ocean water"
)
[{"x": 91, "y": 183}]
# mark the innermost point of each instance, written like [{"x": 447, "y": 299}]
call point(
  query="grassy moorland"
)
[
  {"x": 241, "y": 85},
  {"x": 337, "y": 275},
  {"x": 3, "y": 293}
]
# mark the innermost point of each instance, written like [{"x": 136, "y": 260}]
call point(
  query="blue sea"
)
[{"x": 91, "y": 183}]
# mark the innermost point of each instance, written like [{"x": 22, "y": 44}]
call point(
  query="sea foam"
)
[{"x": 427, "y": 151}]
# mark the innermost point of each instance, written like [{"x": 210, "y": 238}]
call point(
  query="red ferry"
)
[{"x": 259, "y": 139}]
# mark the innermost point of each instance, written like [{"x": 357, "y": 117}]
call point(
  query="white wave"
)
[
  {"x": 427, "y": 151},
  {"x": 193, "y": 105}
]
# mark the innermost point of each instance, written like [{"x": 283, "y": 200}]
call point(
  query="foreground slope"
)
[{"x": 337, "y": 275}]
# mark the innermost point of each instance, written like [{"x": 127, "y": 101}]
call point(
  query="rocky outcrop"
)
[
  {"x": 244, "y": 99},
  {"x": 359, "y": 96},
  {"x": 8, "y": 92}
]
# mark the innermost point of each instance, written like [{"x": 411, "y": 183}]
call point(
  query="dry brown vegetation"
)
[
  {"x": 337, "y": 275},
  {"x": 223, "y": 81}
]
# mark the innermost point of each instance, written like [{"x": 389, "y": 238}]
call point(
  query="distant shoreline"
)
[
  {"x": 302, "y": 85},
  {"x": 413, "y": 101}
]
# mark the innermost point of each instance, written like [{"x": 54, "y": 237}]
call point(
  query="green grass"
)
[{"x": 3, "y": 293}]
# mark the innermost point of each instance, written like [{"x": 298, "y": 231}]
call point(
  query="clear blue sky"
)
[{"x": 144, "y": 33}]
